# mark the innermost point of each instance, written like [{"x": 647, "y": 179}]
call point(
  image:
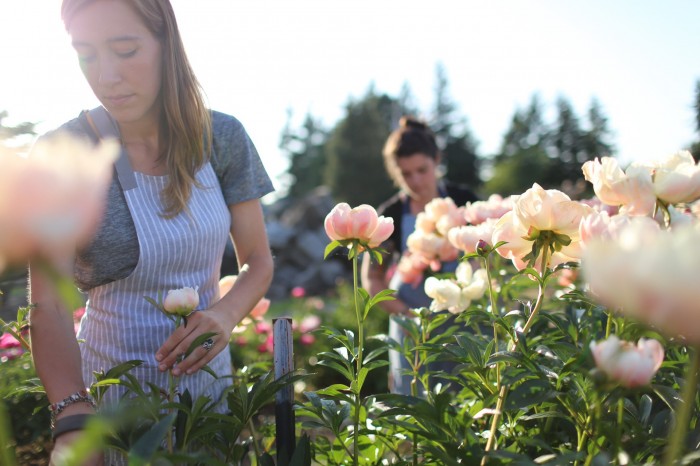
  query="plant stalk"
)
[
  {"x": 360, "y": 343},
  {"x": 675, "y": 444},
  {"x": 491, "y": 442}
]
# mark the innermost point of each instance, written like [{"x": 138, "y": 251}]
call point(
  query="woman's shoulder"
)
[
  {"x": 74, "y": 127},
  {"x": 225, "y": 126},
  {"x": 392, "y": 207},
  {"x": 460, "y": 193}
]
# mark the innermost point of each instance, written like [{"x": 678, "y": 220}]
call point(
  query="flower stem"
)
[
  {"x": 360, "y": 343},
  {"x": 620, "y": 415},
  {"x": 494, "y": 311},
  {"x": 491, "y": 442},
  {"x": 675, "y": 444}
]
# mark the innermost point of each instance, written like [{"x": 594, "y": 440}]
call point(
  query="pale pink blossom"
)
[
  {"x": 494, "y": 207},
  {"x": 628, "y": 364},
  {"x": 309, "y": 323},
  {"x": 439, "y": 207},
  {"x": 633, "y": 189},
  {"x": 452, "y": 219},
  {"x": 431, "y": 247},
  {"x": 676, "y": 178},
  {"x": 411, "y": 268},
  {"x": 650, "y": 274},
  {"x": 360, "y": 223},
  {"x": 425, "y": 223},
  {"x": 307, "y": 339},
  {"x": 51, "y": 201},
  {"x": 465, "y": 238},
  {"x": 600, "y": 225},
  {"x": 181, "y": 301},
  {"x": 540, "y": 210}
]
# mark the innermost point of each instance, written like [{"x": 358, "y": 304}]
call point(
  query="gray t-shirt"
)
[{"x": 114, "y": 251}]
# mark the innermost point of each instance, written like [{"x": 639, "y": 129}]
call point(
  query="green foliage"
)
[
  {"x": 355, "y": 168},
  {"x": 550, "y": 154},
  {"x": 11, "y": 132},
  {"x": 457, "y": 143},
  {"x": 305, "y": 149}
]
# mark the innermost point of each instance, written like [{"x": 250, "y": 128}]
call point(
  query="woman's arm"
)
[
  {"x": 255, "y": 274},
  {"x": 54, "y": 346},
  {"x": 374, "y": 280}
]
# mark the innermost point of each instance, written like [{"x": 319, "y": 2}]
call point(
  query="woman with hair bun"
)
[{"x": 412, "y": 160}]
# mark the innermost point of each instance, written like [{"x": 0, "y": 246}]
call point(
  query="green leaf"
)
[
  {"x": 146, "y": 446},
  {"x": 330, "y": 247},
  {"x": 302, "y": 452}
]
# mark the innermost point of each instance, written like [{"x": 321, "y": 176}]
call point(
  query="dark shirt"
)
[{"x": 394, "y": 208}]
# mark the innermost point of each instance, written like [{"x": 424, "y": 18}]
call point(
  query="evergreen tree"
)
[
  {"x": 566, "y": 144},
  {"x": 596, "y": 140},
  {"x": 355, "y": 168},
  {"x": 695, "y": 147},
  {"x": 11, "y": 132},
  {"x": 523, "y": 158},
  {"x": 457, "y": 143},
  {"x": 306, "y": 151}
]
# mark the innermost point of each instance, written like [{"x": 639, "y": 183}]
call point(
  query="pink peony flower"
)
[
  {"x": 298, "y": 292},
  {"x": 412, "y": 268},
  {"x": 540, "y": 210},
  {"x": 360, "y": 223},
  {"x": 268, "y": 345},
  {"x": 676, "y": 178},
  {"x": 626, "y": 363},
  {"x": 263, "y": 326},
  {"x": 181, "y": 301},
  {"x": 494, "y": 207},
  {"x": 52, "y": 200},
  {"x": 307, "y": 339},
  {"x": 649, "y": 274},
  {"x": 309, "y": 323},
  {"x": 465, "y": 238},
  {"x": 632, "y": 189}
]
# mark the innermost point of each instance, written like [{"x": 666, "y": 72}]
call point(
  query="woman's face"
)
[
  {"x": 120, "y": 58},
  {"x": 418, "y": 175}
]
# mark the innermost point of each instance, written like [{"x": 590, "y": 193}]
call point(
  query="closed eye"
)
[{"x": 128, "y": 54}]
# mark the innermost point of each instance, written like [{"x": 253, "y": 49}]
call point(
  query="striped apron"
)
[{"x": 120, "y": 325}]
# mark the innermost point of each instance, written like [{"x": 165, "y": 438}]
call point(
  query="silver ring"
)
[{"x": 208, "y": 344}]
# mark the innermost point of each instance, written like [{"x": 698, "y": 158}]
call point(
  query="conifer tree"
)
[
  {"x": 355, "y": 168},
  {"x": 305, "y": 148},
  {"x": 454, "y": 137}
]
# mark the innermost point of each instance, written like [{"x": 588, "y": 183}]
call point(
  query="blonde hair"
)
[{"x": 185, "y": 122}]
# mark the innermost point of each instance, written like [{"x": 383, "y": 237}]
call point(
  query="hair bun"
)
[{"x": 412, "y": 123}]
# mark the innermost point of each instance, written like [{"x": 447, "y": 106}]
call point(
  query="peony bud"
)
[
  {"x": 629, "y": 365},
  {"x": 361, "y": 224},
  {"x": 182, "y": 301}
]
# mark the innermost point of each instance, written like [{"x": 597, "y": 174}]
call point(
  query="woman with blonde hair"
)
[{"x": 187, "y": 180}]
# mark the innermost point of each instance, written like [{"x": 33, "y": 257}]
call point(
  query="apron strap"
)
[{"x": 105, "y": 127}]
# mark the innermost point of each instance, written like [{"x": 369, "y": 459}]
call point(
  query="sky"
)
[{"x": 260, "y": 59}]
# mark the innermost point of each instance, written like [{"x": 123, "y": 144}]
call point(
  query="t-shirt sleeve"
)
[{"x": 236, "y": 161}]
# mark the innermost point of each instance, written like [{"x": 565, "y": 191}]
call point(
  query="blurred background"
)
[
  {"x": 517, "y": 91},
  {"x": 514, "y": 88}
]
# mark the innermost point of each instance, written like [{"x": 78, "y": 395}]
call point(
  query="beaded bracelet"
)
[
  {"x": 69, "y": 424},
  {"x": 81, "y": 396}
]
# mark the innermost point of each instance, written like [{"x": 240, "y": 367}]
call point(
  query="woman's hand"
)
[
  {"x": 62, "y": 446},
  {"x": 198, "y": 323}
]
